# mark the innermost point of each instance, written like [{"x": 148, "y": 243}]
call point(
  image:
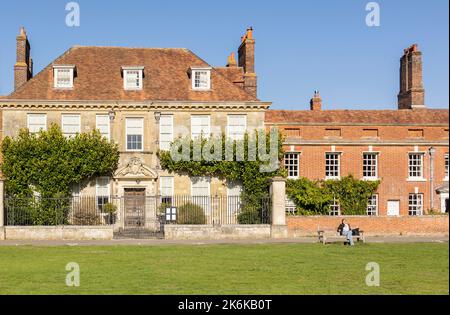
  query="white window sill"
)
[
  {"x": 371, "y": 179},
  {"x": 136, "y": 89},
  {"x": 293, "y": 177},
  {"x": 332, "y": 178},
  {"x": 201, "y": 90},
  {"x": 134, "y": 150},
  {"x": 416, "y": 180},
  {"x": 63, "y": 88}
]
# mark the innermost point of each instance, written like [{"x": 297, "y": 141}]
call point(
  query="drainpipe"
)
[{"x": 432, "y": 151}]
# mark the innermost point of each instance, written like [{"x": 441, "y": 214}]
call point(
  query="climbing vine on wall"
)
[
  {"x": 248, "y": 172},
  {"x": 315, "y": 197}
]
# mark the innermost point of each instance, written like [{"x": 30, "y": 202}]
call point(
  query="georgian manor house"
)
[
  {"x": 141, "y": 98},
  {"x": 144, "y": 98}
]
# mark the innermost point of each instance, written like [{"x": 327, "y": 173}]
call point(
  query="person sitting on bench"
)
[{"x": 345, "y": 230}]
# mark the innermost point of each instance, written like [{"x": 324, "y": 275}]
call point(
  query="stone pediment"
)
[{"x": 135, "y": 168}]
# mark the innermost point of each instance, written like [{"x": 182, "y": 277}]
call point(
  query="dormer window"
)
[
  {"x": 63, "y": 77},
  {"x": 132, "y": 78},
  {"x": 201, "y": 78}
]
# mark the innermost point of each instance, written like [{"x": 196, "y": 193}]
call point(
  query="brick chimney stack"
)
[
  {"x": 247, "y": 62},
  {"x": 23, "y": 69},
  {"x": 316, "y": 102},
  {"x": 412, "y": 93}
]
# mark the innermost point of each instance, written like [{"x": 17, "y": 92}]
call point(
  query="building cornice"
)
[
  {"x": 124, "y": 105},
  {"x": 367, "y": 142},
  {"x": 328, "y": 124}
]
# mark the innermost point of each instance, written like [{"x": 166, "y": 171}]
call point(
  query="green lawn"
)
[{"x": 227, "y": 269}]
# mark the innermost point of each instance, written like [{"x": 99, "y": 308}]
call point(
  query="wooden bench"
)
[{"x": 325, "y": 236}]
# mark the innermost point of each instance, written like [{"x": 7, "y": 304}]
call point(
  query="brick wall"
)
[
  {"x": 393, "y": 145},
  {"x": 381, "y": 225},
  {"x": 392, "y": 171}
]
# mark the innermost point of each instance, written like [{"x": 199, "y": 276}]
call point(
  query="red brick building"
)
[{"x": 406, "y": 149}]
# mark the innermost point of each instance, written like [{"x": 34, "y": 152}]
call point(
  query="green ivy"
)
[
  {"x": 309, "y": 196},
  {"x": 255, "y": 183},
  {"x": 315, "y": 197},
  {"x": 51, "y": 164}
]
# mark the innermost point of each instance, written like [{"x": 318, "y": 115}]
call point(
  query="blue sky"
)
[{"x": 301, "y": 46}]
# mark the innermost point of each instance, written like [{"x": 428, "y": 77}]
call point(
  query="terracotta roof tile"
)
[
  {"x": 416, "y": 116},
  {"x": 233, "y": 74},
  {"x": 98, "y": 77}
]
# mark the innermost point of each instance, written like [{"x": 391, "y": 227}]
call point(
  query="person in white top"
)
[{"x": 346, "y": 230}]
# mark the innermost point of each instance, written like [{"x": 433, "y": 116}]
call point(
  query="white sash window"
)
[
  {"x": 133, "y": 78},
  {"x": 63, "y": 77},
  {"x": 36, "y": 122},
  {"x": 236, "y": 127},
  {"x": 102, "y": 125},
  {"x": 165, "y": 132},
  {"x": 200, "y": 126},
  {"x": 135, "y": 134},
  {"x": 71, "y": 125}
]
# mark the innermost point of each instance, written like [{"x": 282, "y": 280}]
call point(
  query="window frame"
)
[
  {"x": 164, "y": 197},
  {"x": 233, "y": 136},
  {"x": 446, "y": 167},
  {"x": 333, "y": 206},
  {"x": 292, "y": 165},
  {"x": 171, "y": 131},
  {"x": 37, "y": 114},
  {"x": 200, "y": 200},
  {"x": 233, "y": 199},
  {"x": 375, "y": 206},
  {"x": 415, "y": 212},
  {"x": 194, "y": 72},
  {"x": 56, "y": 69},
  {"x": 97, "y": 195},
  {"x": 126, "y": 134},
  {"x": 109, "y": 124},
  {"x": 376, "y": 155},
  {"x": 68, "y": 135},
  {"x": 422, "y": 161},
  {"x": 205, "y": 135},
  {"x": 338, "y": 154},
  {"x": 204, "y": 178},
  {"x": 126, "y": 73}
]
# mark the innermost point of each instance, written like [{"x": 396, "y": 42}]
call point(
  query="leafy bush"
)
[
  {"x": 308, "y": 196},
  {"x": 353, "y": 194},
  {"x": 50, "y": 164},
  {"x": 315, "y": 197},
  {"x": 86, "y": 219},
  {"x": 190, "y": 213}
]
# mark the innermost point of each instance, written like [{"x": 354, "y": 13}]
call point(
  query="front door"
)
[
  {"x": 134, "y": 207},
  {"x": 393, "y": 208}
]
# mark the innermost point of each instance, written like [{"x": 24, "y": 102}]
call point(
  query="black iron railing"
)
[{"x": 136, "y": 211}]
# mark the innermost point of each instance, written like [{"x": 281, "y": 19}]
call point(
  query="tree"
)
[{"x": 48, "y": 165}]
